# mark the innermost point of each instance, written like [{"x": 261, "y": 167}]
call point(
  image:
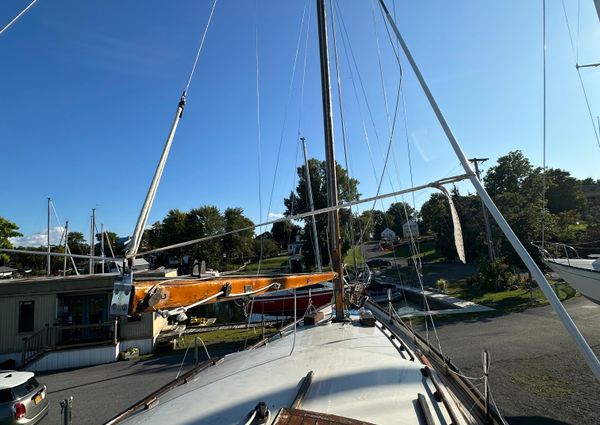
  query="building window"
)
[{"x": 26, "y": 316}]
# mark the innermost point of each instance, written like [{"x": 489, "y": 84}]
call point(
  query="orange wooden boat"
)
[{"x": 181, "y": 294}]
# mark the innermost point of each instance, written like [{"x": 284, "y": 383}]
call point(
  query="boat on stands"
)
[{"x": 583, "y": 274}]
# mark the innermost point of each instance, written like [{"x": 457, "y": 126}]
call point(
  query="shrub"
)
[
  {"x": 495, "y": 275},
  {"x": 442, "y": 285}
]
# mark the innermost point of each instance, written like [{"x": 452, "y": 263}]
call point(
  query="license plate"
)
[{"x": 37, "y": 399}]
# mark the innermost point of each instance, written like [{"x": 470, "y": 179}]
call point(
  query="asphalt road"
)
[
  {"x": 537, "y": 375},
  {"x": 101, "y": 392}
]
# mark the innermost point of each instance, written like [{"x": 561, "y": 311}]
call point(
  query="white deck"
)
[{"x": 358, "y": 373}]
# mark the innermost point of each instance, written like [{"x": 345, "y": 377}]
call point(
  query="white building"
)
[
  {"x": 388, "y": 234},
  {"x": 410, "y": 227}
]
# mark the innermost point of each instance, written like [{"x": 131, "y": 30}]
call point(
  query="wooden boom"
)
[{"x": 185, "y": 293}]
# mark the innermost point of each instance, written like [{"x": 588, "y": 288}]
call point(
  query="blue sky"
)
[{"x": 89, "y": 89}]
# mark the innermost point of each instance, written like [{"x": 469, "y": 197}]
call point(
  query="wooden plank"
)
[
  {"x": 183, "y": 292},
  {"x": 306, "y": 417}
]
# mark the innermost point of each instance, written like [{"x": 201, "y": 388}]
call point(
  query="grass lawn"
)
[
  {"x": 266, "y": 264},
  {"x": 427, "y": 252},
  {"x": 349, "y": 259},
  {"x": 506, "y": 301}
]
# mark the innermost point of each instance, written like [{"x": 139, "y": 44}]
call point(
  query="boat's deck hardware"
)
[
  {"x": 298, "y": 416},
  {"x": 260, "y": 415},
  {"x": 313, "y": 318},
  {"x": 306, "y": 381},
  {"x": 401, "y": 347},
  {"x": 366, "y": 318},
  {"x": 425, "y": 409}
]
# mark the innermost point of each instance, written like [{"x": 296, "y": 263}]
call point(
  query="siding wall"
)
[
  {"x": 75, "y": 358},
  {"x": 45, "y": 312}
]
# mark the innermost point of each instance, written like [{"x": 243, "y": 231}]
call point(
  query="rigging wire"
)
[
  {"x": 189, "y": 80},
  {"x": 412, "y": 244},
  {"x": 287, "y": 104},
  {"x": 300, "y": 109},
  {"x": 355, "y": 91},
  {"x": 544, "y": 126},
  {"x": 343, "y": 124},
  {"x": 386, "y": 159},
  {"x": 21, "y": 13},
  {"x": 575, "y": 49},
  {"x": 578, "y": 22},
  {"x": 137, "y": 236},
  {"x": 67, "y": 242},
  {"x": 310, "y": 213}
]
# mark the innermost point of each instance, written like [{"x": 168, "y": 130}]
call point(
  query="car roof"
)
[{"x": 13, "y": 378}]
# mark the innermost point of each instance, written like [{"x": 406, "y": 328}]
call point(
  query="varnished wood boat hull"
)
[{"x": 175, "y": 293}]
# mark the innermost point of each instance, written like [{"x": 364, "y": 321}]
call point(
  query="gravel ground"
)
[{"x": 537, "y": 375}]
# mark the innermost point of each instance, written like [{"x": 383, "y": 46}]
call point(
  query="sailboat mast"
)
[
  {"x": 66, "y": 247},
  {"x": 48, "y": 240},
  {"x": 332, "y": 194},
  {"x": 312, "y": 208}
]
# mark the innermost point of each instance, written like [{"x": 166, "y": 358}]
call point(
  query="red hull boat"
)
[{"x": 282, "y": 304}]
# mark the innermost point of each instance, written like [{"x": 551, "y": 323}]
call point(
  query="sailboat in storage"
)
[
  {"x": 582, "y": 274},
  {"x": 343, "y": 366},
  {"x": 347, "y": 363},
  {"x": 350, "y": 362}
]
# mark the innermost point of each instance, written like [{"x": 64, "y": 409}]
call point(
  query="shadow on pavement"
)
[{"x": 533, "y": 420}]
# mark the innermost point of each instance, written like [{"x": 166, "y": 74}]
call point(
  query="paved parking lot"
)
[
  {"x": 101, "y": 392},
  {"x": 537, "y": 375}
]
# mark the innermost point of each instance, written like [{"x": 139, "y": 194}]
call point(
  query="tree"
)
[
  {"x": 297, "y": 202},
  {"x": 200, "y": 222},
  {"x": 110, "y": 238},
  {"x": 8, "y": 229},
  {"x": 509, "y": 174},
  {"x": 266, "y": 247},
  {"x": 398, "y": 213},
  {"x": 564, "y": 193},
  {"x": 435, "y": 213},
  {"x": 175, "y": 227},
  {"x": 284, "y": 232},
  {"x": 238, "y": 245},
  {"x": 77, "y": 243}
]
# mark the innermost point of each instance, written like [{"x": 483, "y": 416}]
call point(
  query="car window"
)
[
  {"x": 25, "y": 388},
  {"x": 5, "y": 395}
]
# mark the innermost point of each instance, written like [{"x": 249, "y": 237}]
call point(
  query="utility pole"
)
[
  {"x": 312, "y": 208},
  {"x": 48, "y": 271},
  {"x": 92, "y": 227},
  {"x": 66, "y": 247},
  {"x": 486, "y": 220}
]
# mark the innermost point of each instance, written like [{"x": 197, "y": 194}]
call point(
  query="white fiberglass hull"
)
[
  {"x": 358, "y": 373},
  {"x": 580, "y": 274}
]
